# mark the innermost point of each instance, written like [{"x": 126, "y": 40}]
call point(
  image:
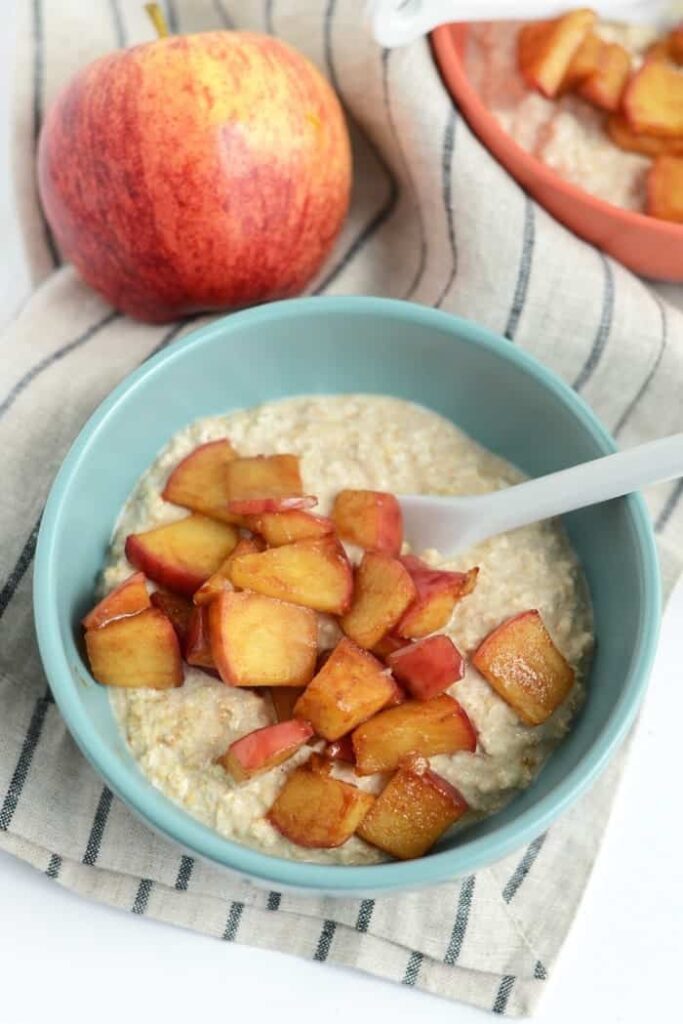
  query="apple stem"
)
[{"x": 158, "y": 19}]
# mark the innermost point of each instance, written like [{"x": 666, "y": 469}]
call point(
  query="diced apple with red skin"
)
[
  {"x": 438, "y": 592},
  {"x": 220, "y": 580},
  {"x": 371, "y": 519},
  {"x": 176, "y": 608},
  {"x": 314, "y": 573},
  {"x": 583, "y": 64},
  {"x": 245, "y": 546},
  {"x": 198, "y": 643},
  {"x": 341, "y": 750},
  {"x": 284, "y": 698},
  {"x": 137, "y": 651},
  {"x": 265, "y": 483},
  {"x": 182, "y": 555},
  {"x": 653, "y": 100},
  {"x": 389, "y": 644},
  {"x": 351, "y": 687},
  {"x": 278, "y": 528},
  {"x": 383, "y": 589},
  {"x": 398, "y": 695},
  {"x": 428, "y": 667},
  {"x": 265, "y": 748},
  {"x": 606, "y": 84},
  {"x": 524, "y": 667},
  {"x": 426, "y": 727},
  {"x": 199, "y": 482},
  {"x": 129, "y": 598},
  {"x": 261, "y": 641},
  {"x": 665, "y": 188},
  {"x": 412, "y": 811},
  {"x": 318, "y": 811},
  {"x": 545, "y": 49}
]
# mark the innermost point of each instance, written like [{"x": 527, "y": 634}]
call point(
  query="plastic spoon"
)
[{"x": 452, "y": 524}]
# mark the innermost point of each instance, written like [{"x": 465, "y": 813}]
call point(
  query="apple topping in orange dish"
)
[{"x": 301, "y": 682}]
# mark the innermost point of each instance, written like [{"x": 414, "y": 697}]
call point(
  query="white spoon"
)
[{"x": 453, "y": 524}]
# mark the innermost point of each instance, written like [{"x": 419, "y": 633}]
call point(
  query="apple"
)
[
  {"x": 199, "y": 172},
  {"x": 383, "y": 590}
]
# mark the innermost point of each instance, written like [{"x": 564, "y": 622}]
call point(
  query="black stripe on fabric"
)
[
  {"x": 233, "y": 922},
  {"x": 53, "y": 358},
  {"x": 184, "y": 873},
  {"x": 23, "y": 765},
  {"x": 413, "y": 968},
  {"x": 54, "y": 867},
  {"x": 117, "y": 21},
  {"x": 171, "y": 16},
  {"x": 142, "y": 896},
  {"x": 670, "y": 507},
  {"x": 274, "y": 900},
  {"x": 167, "y": 339},
  {"x": 447, "y": 190},
  {"x": 389, "y": 205},
  {"x": 223, "y": 14},
  {"x": 462, "y": 915},
  {"x": 503, "y": 993},
  {"x": 92, "y": 850},
  {"x": 364, "y": 915},
  {"x": 540, "y": 973},
  {"x": 664, "y": 333},
  {"x": 325, "y": 941},
  {"x": 38, "y": 85},
  {"x": 524, "y": 867},
  {"x": 604, "y": 327},
  {"x": 268, "y": 16},
  {"x": 394, "y": 131},
  {"x": 19, "y": 571},
  {"x": 524, "y": 272}
]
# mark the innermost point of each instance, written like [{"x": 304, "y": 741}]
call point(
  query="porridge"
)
[{"x": 361, "y": 446}]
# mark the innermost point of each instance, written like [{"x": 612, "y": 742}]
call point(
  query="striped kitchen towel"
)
[{"x": 436, "y": 220}]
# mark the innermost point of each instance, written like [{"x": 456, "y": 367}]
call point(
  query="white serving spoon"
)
[{"x": 452, "y": 524}]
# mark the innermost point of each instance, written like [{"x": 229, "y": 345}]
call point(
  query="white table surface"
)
[{"x": 63, "y": 959}]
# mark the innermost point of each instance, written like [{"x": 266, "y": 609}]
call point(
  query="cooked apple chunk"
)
[
  {"x": 317, "y": 811},
  {"x": 524, "y": 667},
  {"x": 350, "y": 687},
  {"x": 428, "y": 667},
  {"x": 199, "y": 482},
  {"x": 265, "y": 748},
  {"x": 622, "y": 135},
  {"x": 278, "y": 528},
  {"x": 341, "y": 750},
  {"x": 546, "y": 48},
  {"x": 176, "y": 608},
  {"x": 314, "y": 573},
  {"x": 261, "y": 641},
  {"x": 284, "y": 698},
  {"x": 383, "y": 589},
  {"x": 370, "y": 519},
  {"x": 412, "y": 811},
  {"x": 129, "y": 598},
  {"x": 389, "y": 644},
  {"x": 583, "y": 63},
  {"x": 137, "y": 651},
  {"x": 265, "y": 483},
  {"x": 198, "y": 644},
  {"x": 605, "y": 85},
  {"x": 182, "y": 555},
  {"x": 426, "y": 727},
  {"x": 665, "y": 189},
  {"x": 653, "y": 100},
  {"x": 438, "y": 592}
]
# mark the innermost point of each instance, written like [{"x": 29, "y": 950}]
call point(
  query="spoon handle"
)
[{"x": 586, "y": 484}]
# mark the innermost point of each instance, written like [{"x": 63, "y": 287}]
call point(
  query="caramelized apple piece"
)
[
  {"x": 200, "y": 484},
  {"x": 260, "y": 641},
  {"x": 341, "y": 750},
  {"x": 265, "y": 483},
  {"x": 319, "y": 763},
  {"x": 284, "y": 699},
  {"x": 545, "y": 49},
  {"x": 129, "y": 598},
  {"x": 583, "y": 63},
  {"x": 389, "y": 644},
  {"x": 198, "y": 643},
  {"x": 350, "y": 687},
  {"x": 371, "y": 519},
  {"x": 182, "y": 555},
  {"x": 412, "y": 811},
  {"x": 675, "y": 42},
  {"x": 265, "y": 748},
  {"x": 665, "y": 189},
  {"x": 176, "y": 608},
  {"x": 398, "y": 695},
  {"x": 524, "y": 667},
  {"x": 245, "y": 546},
  {"x": 604, "y": 87},
  {"x": 653, "y": 100},
  {"x": 428, "y": 667},
  {"x": 383, "y": 589},
  {"x": 426, "y": 727},
  {"x": 317, "y": 811},
  {"x": 279, "y": 528},
  {"x": 438, "y": 592},
  {"x": 314, "y": 573},
  {"x": 137, "y": 651},
  {"x": 623, "y": 136}
]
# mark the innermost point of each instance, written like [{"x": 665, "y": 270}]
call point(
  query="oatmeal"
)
[{"x": 382, "y": 444}]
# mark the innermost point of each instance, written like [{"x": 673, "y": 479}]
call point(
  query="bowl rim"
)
[
  {"x": 449, "y": 60},
  {"x": 175, "y": 823}
]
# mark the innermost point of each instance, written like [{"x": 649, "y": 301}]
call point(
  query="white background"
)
[{"x": 63, "y": 959}]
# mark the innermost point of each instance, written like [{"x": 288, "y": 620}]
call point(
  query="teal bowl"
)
[{"x": 493, "y": 391}]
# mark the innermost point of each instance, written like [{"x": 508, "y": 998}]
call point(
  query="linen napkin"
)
[{"x": 434, "y": 219}]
